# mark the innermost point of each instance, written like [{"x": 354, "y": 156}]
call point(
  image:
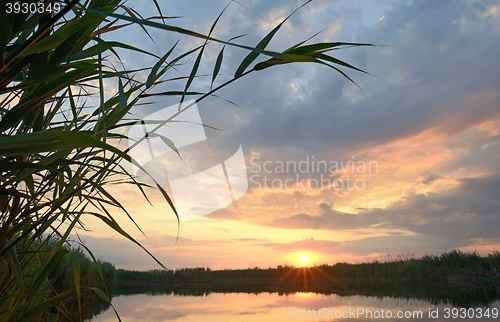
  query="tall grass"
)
[
  {"x": 62, "y": 280},
  {"x": 445, "y": 266},
  {"x": 55, "y": 158}
]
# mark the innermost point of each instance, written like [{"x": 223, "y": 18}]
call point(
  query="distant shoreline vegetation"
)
[
  {"x": 454, "y": 266},
  {"x": 455, "y": 271}
]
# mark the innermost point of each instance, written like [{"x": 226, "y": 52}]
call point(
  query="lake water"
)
[{"x": 445, "y": 303}]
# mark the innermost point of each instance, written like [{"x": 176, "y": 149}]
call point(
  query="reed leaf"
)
[{"x": 57, "y": 146}]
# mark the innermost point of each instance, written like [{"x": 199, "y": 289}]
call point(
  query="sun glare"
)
[{"x": 304, "y": 259}]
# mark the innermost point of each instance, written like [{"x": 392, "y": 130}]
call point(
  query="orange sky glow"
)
[
  {"x": 240, "y": 235},
  {"x": 428, "y": 124}
]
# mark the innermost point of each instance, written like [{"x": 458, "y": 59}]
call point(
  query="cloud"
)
[
  {"x": 125, "y": 254},
  {"x": 471, "y": 210},
  {"x": 322, "y": 246},
  {"x": 431, "y": 122},
  {"x": 431, "y": 178},
  {"x": 225, "y": 214},
  {"x": 401, "y": 245},
  {"x": 432, "y": 75}
]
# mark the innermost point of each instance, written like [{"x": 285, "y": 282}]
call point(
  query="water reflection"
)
[{"x": 229, "y": 302}]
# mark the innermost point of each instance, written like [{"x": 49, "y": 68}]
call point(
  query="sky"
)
[{"x": 415, "y": 147}]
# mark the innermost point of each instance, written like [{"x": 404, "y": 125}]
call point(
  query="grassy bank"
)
[
  {"x": 452, "y": 266},
  {"x": 75, "y": 265},
  {"x": 62, "y": 279},
  {"x": 397, "y": 278}
]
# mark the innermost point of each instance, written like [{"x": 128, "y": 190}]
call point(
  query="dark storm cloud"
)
[
  {"x": 440, "y": 72},
  {"x": 471, "y": 210}
]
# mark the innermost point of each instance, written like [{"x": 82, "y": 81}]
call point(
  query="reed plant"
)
[{"x": 56, "y": 160}]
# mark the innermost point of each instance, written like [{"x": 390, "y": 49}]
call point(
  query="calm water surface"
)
[{"x": 167, "y": 305}]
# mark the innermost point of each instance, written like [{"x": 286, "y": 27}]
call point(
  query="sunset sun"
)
[{"x": 304, "y": 259}]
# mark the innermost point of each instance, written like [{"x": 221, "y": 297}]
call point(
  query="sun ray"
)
[
  {"x": 331, "y": 278},
  {"x": 304, "y": 272},
  {"x": 312, "y": 276},
  {"x": 296, "y": 277}
]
